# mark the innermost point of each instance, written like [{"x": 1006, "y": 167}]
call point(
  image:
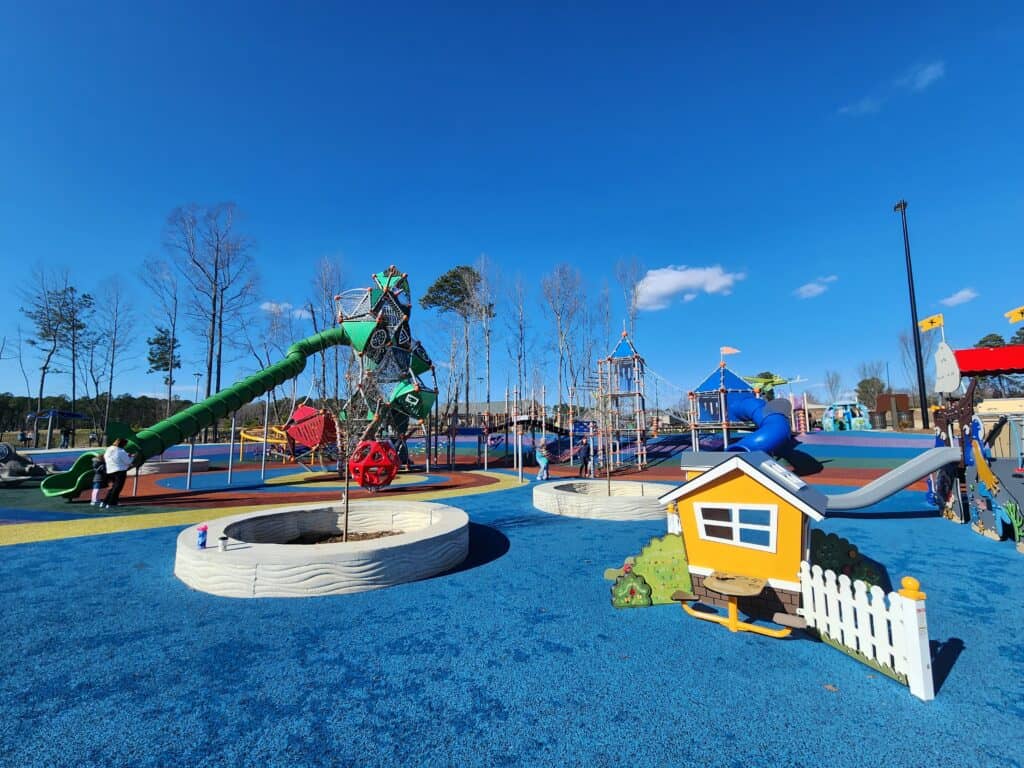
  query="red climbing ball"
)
[{"x": 373, "y": 464}]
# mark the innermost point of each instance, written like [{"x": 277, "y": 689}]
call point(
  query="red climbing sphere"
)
[{"x": 373, "y": 464}]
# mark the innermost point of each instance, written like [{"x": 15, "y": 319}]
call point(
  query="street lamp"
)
[{"x": 901, "y": 207}]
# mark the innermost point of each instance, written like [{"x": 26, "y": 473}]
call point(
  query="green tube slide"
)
[{"x": 194, "y": 419}]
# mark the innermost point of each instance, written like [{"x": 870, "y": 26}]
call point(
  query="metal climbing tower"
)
[
  {"x": 390, "y": 392},
  {"x": 622, "y": 406}
]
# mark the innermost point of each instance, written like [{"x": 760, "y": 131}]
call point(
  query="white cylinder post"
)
[
  {"x": 266, "y": 430},
  {"x": 231, "y": 447},
  {"x": 188, "y": 469}
]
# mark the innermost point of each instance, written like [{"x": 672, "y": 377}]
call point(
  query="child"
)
[
  {"x": 99, "y": 478},
  {"x": 542, "y": 462}
]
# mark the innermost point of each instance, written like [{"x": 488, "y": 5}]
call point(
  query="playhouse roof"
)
[
  {"x": 624, "y": 348},
  {"x": 991, "y": 361},
  {"x": 720, "y": 377},
  {"x": 766, "y": 471}
]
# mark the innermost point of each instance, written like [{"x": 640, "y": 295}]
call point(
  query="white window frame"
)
[{"x": 737, "y": 526}]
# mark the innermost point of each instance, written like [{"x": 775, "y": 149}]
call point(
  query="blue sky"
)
[{"x": 762, "y": 148}]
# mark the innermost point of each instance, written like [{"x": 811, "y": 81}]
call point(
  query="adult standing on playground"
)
[
  {"x": 118, "y": 462},
  {"x": 584, "y": 457}
]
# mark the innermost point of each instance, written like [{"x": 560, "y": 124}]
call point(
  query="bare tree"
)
[
  {"x": 327, "y": 283},
  {"x": 115, "y": 320},
  {"x": 516, "y": 322},
  {"x": 562, "y": 291},
  {"x": 872, "y": 369},
  {"x": 484, "y": 300},
  {"x": 627, "y": 273},
  {"x": 20, "y": 355},
  {"x": 833, "y": 385},
  {"x": 161, "y": 279},
  {"x": 267, "y": 342},
  {"x": 215, "y": 262},
  {"x": 604, "y": 314},
  {"x": 44, "y": 304}
]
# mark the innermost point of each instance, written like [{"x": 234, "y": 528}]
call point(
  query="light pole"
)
[
  {"x": 901, "y": 207},
  {"x": 198, "y": 377}
]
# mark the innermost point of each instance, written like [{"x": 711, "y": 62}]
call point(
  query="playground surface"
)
[{"x": 514, "y": 658}]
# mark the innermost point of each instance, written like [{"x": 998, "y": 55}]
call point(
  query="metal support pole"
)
[
  {"x": 519, "y": 451},
  {"x": 231, "y": 447},
  {"x": 266, "y": 429},
  {"x": 188, "y": 469},
  {"x": 922, "y": 393},
  {"x": 135, "y": 486},
  {"x": 487, "y": 436},
  {"x": 426, "y": 442}
]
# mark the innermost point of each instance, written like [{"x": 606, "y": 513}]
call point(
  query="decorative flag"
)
[
  {"x": 1015, "y": 315},
  {"x": 931, "y": 323},
  {"x": 728, "y": 350}
]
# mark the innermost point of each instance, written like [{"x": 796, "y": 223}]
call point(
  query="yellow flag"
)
[
  {"x": 728, "y": 350},
  {"x": 1015, "y": 315},
  {"x": 930, "y": 323}
]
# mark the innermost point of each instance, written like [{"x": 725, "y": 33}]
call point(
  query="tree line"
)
[
  {"x": 199, "y": 306},
  {"x": 553, "y": 335},
  {"x": 200, "y": 288}
]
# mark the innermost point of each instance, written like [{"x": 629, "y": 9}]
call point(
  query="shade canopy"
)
[{"x": 991, "y": 361}]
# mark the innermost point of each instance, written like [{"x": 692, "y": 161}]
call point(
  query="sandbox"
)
[
  {"x": 259, "y": 561},
  {"x": 629, "y": 500}
]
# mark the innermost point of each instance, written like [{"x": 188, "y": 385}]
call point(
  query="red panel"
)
[
  {"x": 990, "y": 361},
  {"x": 311, "y": 427}
]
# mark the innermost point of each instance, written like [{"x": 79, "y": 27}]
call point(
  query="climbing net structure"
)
[{"x": 390, "y": 394}]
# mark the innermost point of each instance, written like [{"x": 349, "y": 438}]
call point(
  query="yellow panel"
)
[{"x": 738, "y": 488}]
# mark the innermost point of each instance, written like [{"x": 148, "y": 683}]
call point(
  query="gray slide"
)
[{"x": 895, "y": 480}]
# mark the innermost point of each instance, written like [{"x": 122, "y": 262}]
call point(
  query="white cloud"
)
[
  {"x": 923, "y": 75},
  {"x": 815, "y": 287},
  {"x": 275, "y": 307},
  {"x": 302, "y": 314},
  {"x": 916, "y": 79},
  {"x": 866, "y": 106},
  {"x": 659, "y": 286},
  {"x": 960, "y": 297}
]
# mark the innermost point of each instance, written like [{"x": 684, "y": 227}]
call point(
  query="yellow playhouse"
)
[{"x": 746, "y": 521}]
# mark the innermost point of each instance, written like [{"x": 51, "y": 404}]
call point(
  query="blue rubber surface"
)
[{"x": 517, "y": 659}]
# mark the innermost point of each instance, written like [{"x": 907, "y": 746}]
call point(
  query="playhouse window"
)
[{"x": 746, "y": 525}]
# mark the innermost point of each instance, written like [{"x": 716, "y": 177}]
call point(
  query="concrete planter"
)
[
  {"x": 629, "y": 500},
  {"x": 258, "y": 563}
]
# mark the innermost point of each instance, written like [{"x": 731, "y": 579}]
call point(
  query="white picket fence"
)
[{"x": 891, "y": 632}]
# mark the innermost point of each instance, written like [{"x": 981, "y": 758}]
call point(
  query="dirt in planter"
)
[{"x": 337, "y": 538}]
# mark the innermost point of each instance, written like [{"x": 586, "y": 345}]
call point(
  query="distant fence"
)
[{"x": 889, "y": 635}]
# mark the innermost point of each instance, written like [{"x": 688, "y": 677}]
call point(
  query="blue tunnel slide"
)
[{"x": 772, "y": 429}]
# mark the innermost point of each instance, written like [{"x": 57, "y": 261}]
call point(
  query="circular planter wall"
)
[
  {"x": 259, "y": 561},
  {"x": 629, "y": 500}
]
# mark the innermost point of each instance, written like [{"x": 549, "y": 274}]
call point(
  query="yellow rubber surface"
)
[{"x": 24, "y": 533}]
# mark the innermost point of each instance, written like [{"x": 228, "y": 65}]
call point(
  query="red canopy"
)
[{"x": 990, "y": 361}]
